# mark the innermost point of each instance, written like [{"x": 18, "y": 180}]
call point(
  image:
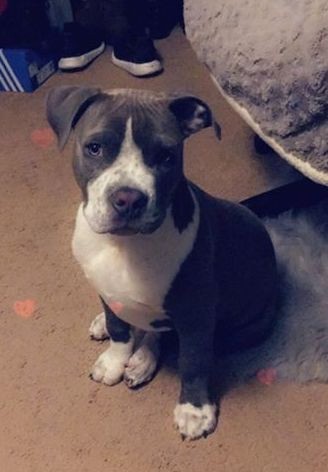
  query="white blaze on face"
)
[{"x": 128, "y": 170}]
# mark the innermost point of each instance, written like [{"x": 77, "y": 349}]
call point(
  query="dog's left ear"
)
[{"x": 191, "y": 113}]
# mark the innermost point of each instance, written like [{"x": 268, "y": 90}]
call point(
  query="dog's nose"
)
[{"x": 128, "y": 201}]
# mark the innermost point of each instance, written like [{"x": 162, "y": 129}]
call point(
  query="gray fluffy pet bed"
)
[
  {"x": 298, "y": 348},
  {"x": 270, "y": 60}
]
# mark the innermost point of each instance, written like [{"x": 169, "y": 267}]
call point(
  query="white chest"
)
[{"x": 134, "y": 272}]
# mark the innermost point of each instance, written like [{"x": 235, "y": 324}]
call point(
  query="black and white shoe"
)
[
  {"x": 138, "y": 57},
  {"x": 79, "y": 47}
]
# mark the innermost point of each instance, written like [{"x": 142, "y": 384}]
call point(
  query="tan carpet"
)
[{"x": 52, "y": 417}]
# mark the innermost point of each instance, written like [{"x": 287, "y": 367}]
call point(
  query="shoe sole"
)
[
  {"x": 138, "y": 70},
  {"x": 78, "y": 62}
]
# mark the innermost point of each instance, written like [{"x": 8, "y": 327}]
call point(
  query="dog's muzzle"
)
[{"x": 125, "y": 211}]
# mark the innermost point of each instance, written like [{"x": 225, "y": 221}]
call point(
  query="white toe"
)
[
  {"x": 110, "y": 365},
  {"x": 98, "y": 328},
  {"x": 194, "y": 422},
  {"x": 141, "y": 367}
]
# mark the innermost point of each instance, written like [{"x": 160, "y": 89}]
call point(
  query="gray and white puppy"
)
[{"x": 161, "y": 253}]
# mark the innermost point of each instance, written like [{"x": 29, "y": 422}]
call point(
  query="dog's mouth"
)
[
  {"x": 131, "y": 228},
  {"x": 122, "y": 226},
  {"x": 126, "y": 231}
]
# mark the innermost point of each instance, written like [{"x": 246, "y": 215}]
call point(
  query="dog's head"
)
[{"x": 128, "y": 151}]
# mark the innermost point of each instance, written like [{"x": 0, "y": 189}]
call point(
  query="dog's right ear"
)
[{"x": 65, "y": 105}]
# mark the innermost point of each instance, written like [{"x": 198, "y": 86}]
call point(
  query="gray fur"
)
[
  {"x": 270, "y": 58},
  {"x": 62, "y": 106}
]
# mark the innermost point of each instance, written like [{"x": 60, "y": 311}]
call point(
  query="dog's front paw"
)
[
  {"x": 194, "y": 422},
  {"x": 141, "y": 367},
  {"x": 98, "y": 328},
  {"x": 108, "y": 368}
]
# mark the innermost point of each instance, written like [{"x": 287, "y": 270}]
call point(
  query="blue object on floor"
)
[{"x": 24, "y": 70}]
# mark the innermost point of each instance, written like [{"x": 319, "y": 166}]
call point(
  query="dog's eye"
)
[
  {"x": 94, "y": 149},
  {"x": 166, "y": 158}
]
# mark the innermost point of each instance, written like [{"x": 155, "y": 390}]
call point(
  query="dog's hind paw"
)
[
  {"x": 194, "y": 422},
  {"x": 98, "y": 330}
]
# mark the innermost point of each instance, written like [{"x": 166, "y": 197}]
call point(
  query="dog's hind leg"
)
[{"x": 143, "y": 363}]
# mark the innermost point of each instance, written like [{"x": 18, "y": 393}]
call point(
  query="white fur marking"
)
[
  {"x": 136, "y": 270},
  {"x": 110, "y": 365},
  {"x": 194, "y": 422},
  {"x": 142, "y": 365},
  {"x": 98, "y": 328},
  {"x": 128, "y": 170}
]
